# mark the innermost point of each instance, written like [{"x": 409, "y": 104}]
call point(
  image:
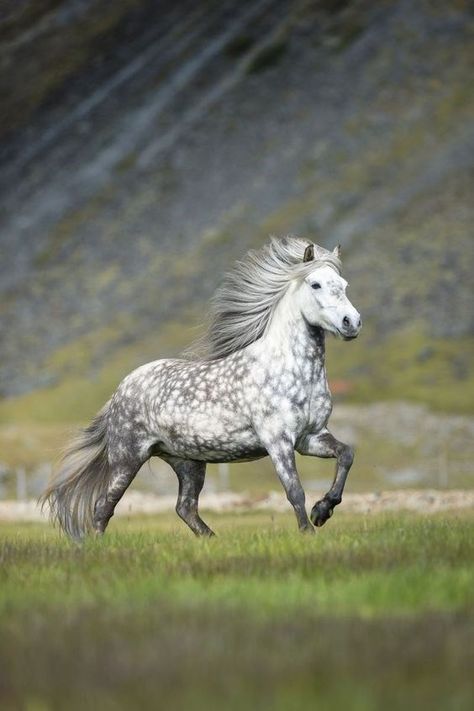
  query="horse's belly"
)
[
  {"x": 214, "y": 437},
  {"x": 217, "y": 452},
  {"x": 231, "y": 454}
]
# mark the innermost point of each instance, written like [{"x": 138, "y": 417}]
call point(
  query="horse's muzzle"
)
[{"x": 350, "y": 329}]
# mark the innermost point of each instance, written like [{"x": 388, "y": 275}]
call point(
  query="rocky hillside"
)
[{"x": 144, "y": 145}]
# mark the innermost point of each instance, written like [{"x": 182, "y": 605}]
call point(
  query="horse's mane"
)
[{"x": 243, "y": 304}]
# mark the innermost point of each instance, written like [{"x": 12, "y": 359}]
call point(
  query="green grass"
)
[{"x": 367, "y": 613}]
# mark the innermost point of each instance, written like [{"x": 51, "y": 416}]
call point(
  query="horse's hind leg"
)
[
  {"x": 123, "y": 475},
  {"x": 190, "y": 475}
]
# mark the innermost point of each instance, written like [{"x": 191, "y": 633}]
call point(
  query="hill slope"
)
[{"x": 144, "y": 147}]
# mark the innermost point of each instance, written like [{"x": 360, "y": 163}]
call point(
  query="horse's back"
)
[{"x": 188, "y": 409}]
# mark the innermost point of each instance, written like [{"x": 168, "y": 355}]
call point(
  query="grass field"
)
[{"x": 370, "y": 613}]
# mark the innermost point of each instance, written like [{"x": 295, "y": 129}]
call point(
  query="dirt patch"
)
[{"x": 137, "y": 503}]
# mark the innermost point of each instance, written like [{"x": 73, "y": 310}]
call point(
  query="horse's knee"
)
[{"x": 295, "y": 495}]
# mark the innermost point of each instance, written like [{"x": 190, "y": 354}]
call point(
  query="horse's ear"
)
[
  {"x": 309, "y": 253},
  {"x": 337, "y": 251}
]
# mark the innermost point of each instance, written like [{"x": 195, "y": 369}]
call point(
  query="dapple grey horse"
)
[{"x": 254, "y": 386}]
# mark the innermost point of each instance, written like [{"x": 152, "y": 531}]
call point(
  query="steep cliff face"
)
[{"x": 145, "y": 145}]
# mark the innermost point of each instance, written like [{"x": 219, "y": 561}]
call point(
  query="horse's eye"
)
[{"x": 316, "y": 285}]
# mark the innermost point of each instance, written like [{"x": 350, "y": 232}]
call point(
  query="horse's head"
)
[{"x": 323, "y": 300}]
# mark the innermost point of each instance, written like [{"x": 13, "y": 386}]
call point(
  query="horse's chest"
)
[
  {"x": 292, "y": 401},
  {"x": 312, "y": 411},
  {"x": 320, "y": 407}
]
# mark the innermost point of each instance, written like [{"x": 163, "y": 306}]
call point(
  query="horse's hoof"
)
[
  {"x": 321, "y": 511},
  {"x": 307, "y": 530}
]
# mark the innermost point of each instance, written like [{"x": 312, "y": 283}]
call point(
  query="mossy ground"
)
[
  {"x": 406, "y": 366},
  {"x": 365, "y": 614}
]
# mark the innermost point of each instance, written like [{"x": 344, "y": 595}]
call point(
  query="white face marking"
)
[{"x": 324, "y": 303}]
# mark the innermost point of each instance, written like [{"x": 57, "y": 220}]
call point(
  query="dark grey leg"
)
[
  {"x": 191, "y": 476},
  {"x": 282, "y": 455},
  {"x": 326, "y": 446},
  {"x": 123, "y": 476}
]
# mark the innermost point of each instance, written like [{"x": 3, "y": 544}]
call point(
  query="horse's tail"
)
[{"x": 82, "y": 477}]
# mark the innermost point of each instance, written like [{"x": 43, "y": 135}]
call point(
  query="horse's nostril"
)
[
  {"x": 346, "y": 322},
  {"x": 359, "y": 323}
]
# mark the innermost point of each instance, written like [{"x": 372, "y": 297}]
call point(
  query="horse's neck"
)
[
  {"x": 307, "y": 346},
  {"x": 301, "y": 346}
]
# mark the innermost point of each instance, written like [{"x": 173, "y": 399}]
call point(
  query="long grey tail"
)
[{"x": 83, "y": 476}]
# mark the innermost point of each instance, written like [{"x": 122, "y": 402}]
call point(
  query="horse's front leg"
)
[
  {"x": 282, "y": 454},
  {"x": 325, "y": 445}
]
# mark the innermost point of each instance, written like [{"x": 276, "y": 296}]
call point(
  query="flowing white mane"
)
[{"x": 243, "y": 304}]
